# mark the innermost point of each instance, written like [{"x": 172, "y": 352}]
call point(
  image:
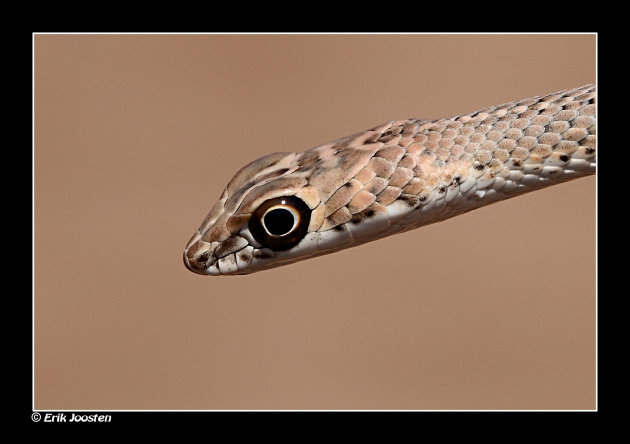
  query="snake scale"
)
[{"x": 395, "y": 177}]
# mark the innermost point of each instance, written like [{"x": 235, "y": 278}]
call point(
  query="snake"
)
[{"x": 398, "y": 176}]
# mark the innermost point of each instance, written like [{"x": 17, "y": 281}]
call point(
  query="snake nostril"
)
[
  {"x": 197, "y": 263},
  {"x": 204, "y": 257}
]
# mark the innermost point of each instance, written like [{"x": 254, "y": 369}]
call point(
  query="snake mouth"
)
[
  {"x": 214, "y": 266},
  {"x": 202, "y": 265}
]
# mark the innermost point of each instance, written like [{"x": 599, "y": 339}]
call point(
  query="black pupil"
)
[{"x": 279, "y": 221}]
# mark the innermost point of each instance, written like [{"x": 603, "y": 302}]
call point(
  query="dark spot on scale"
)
[
  {"x": 347, "y": 185},
  {"x": 357, "y": 218},
  {"x": 242, "y": 256},
  {"x": 516, "y": 163},
  {"x": 338, "y": 228},
  {"x": 479, "y": 167},
  {"x": 282, "y": 171},
  {"x": 389, "y": 135},
  {"x": 204, "y": 257},
  {"x": 412, "y": 200},
  {"x": 564, "y": 158},
  {"x": 553, "y": 172},
  {"x": 308, "y": 159},
  {"x": 386, "y": 137},
  {"x": 442, "y": 189},
  {"x": 591, "y": 101},
  {"x": 360, "y": 217},
  {"x": 589, "y": 150},
  {"x": 260, "y": 254},
  {"x": 456, "y": 181}
]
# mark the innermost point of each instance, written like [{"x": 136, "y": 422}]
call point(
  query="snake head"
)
[
  {"x": 286, "y": 207},
  {"x": 398, "y": 176}
]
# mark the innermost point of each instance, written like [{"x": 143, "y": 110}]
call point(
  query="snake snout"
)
[
  {"x": 198, "y": 255},
  {"x": 193, "y": 264}
]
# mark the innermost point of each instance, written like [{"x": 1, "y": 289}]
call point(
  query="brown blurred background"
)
[{"x": 136, "y": 137}]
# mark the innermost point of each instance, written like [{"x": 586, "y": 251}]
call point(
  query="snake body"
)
[{"x": 395, "y": 177}]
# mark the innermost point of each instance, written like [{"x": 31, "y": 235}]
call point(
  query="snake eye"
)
[{"x": 280, "y": 223}]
